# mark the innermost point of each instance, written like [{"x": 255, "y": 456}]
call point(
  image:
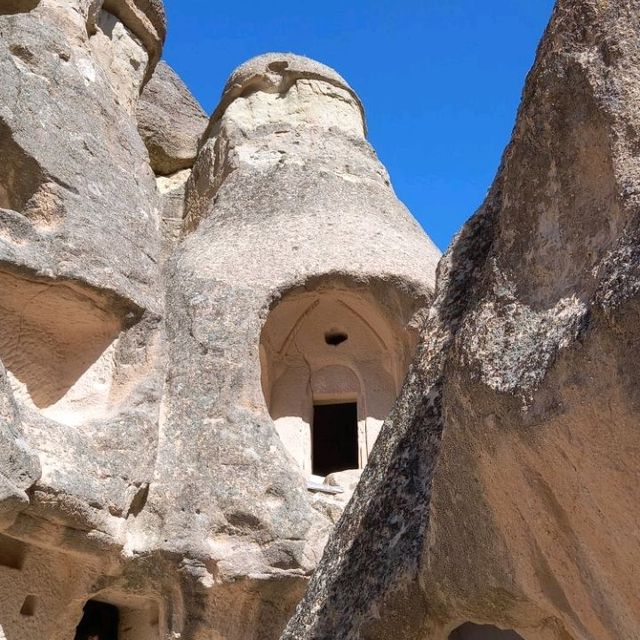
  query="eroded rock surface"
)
[
  {"x": 284, "y": 170},
  {"x": 504, "y": 489},
  {"x": 80, "y": 303},
  {"x": 171, "y": 122},
  {"x": 154, "y": 322},
  {"x": 77, "y": 197},
  {"x": 19, "y": 466}
]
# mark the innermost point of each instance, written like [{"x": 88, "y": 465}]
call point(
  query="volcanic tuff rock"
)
[
  {"x": 284, "y": 172},
  {"x": 79, "y": 246},
  {"x": 140, "y": 461},
  {"x": 80, "y": 300},
  {"x": 504, "y": 487},
  {"x": 67, "y": 209},
  {"x": 19, "y": 466},
  {"x": 171, "y": 122},
  {"x": 166, "y": 340}
]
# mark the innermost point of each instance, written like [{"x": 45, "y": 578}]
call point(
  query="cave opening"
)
[
  {"x": 328, "y": 345},
  {"x": 334, "y": 438},
  {"x": 100, "y": 621}
]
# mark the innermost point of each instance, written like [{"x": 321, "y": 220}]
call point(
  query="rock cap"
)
[
  {"x": 170, "y": 121},
  {"x": 147, "y": 20},
  {"x": 276, "y": 72}
]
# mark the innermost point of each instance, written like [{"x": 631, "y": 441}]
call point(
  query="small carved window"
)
[
  {"x": 470, "y": 631},
  {"x": 334, "y": 338}
]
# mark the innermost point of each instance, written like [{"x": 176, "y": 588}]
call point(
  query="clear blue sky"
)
[{"x": 440, "y": 79}]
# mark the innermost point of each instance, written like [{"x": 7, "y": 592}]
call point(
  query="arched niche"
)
[
  {"x": 471, "y": 631},
  {"x": 326, "y": 349}
]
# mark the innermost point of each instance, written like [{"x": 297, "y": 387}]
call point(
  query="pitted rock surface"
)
[{"x": 140, "y": 464}]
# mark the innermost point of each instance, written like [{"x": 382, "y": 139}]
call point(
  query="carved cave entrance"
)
[
  {"x": 125, "y": 617},
  {"x": 333, "y": 360},
  {"x": 334, "y": 440},
  {"x": 100, "y": 621}
]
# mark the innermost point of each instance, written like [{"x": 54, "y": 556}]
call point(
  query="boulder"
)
[{"x": 171, "y": 122}]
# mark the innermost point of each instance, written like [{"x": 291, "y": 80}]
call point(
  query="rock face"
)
[
  {"x": 67, "y": 212},
  {"x": 19, "y": 466},
  {"x": 159, "y": 377},
  {"x": 80, "y": 304},
  {"x": 79, "y": 246},
  {"x": 284, "y": 171},
  {"x": 171, "y": 122},
  {"x": 503, "y": 491}
]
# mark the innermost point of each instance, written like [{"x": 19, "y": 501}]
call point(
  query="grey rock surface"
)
[
  {"x": 170, "y": 121},
  {"x": 279, "y": 176},
  {"x": 504, "y": 487},
  {"x": 139, "y": 463},
  {"x": 146, "y": 19},
  {"x": 79, "y": 276},
  {"x": 19, "y": 465},
  {"x": 78, "y": 206}
]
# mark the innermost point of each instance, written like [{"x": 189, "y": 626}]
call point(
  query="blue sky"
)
[{"x": 440, "y": 79}]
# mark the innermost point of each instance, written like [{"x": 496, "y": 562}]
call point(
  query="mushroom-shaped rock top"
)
[{"x": 276, "y": 73}]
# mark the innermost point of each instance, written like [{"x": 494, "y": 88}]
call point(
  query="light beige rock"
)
[
  {"x": 172, "y": 193},
  {"x": 123, "y": 58},
  {"x": 258, "y": 271},
  {"x": 80, "y": 304},
  {"x": 150, "y": 325}
]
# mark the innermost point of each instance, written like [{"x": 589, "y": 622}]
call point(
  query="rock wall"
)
[
  {"x": 167, "y": 282},
  {"x": 171, "y": 123},
  {"x": 283, "y": 168},
  {"x": 504, "y": 487},
  {"x": 142, "y": 249}
]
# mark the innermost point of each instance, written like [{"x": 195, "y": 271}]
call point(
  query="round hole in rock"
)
[
  {"x": 334, "y": 338},
  {"x": 471, "y": 631}
]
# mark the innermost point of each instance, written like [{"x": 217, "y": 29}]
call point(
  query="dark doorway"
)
[
  {"x": 470, "y": 631},
  {"x": 334, "y": 442},
  {"x": 99, "y": 622}
]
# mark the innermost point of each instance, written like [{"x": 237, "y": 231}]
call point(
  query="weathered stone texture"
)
[
  {"x": 171, "y": 122},
  {"x": 77, "y": 199},
  {"x": 139, "y": 462},
  {"x": 19, "y": 466},
  {"x": 176, "y": 297},
  {"x": 80, "y": 304},
  {"x": 504, "y": 487},
  {"x": 283, "y": 173}
]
